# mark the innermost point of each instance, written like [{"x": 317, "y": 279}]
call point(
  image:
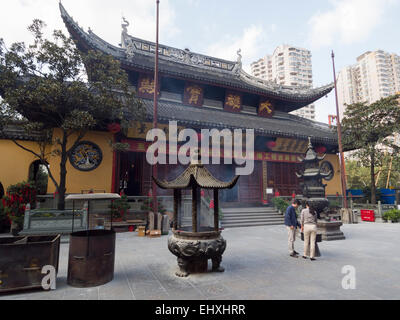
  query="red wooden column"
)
[{"x": 216, "y": 210}]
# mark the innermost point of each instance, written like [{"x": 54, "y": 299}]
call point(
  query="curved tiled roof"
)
[
  {"x": 17, "y": 132},
  {"x": 139, "y": 54},
  {"x": 199, "y": 175},
  {"x": 280, "y": 125}
]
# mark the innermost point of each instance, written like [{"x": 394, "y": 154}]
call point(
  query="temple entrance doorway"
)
[{"x": 132, "y": 173}]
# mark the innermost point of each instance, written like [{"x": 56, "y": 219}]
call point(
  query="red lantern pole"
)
[
  {"x": 339, "y": 129},
  {"x": 155, "y": 114}
]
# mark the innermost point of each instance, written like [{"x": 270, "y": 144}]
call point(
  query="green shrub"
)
[
  {"x": 393, "y": 215},
  {"x": 280, "y": 204},
  {"x": 334, "y": 204}
]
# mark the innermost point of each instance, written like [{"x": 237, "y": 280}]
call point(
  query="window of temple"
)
[{"x": 172, "y": 85}]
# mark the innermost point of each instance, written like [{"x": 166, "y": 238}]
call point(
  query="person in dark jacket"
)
[{"x": 291, "y": 225}]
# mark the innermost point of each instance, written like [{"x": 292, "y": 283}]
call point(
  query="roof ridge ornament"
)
[
  {"x": 239, "y": 58},
  {"x": 238, "y": 66},
  {"x": 125, "y": 26}
]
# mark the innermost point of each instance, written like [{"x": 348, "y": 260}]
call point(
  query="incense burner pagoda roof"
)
[
  {"x": 138, "y": 54},
  {"x": 199, "y": 175},
  {"x": 280, "y": 125}
]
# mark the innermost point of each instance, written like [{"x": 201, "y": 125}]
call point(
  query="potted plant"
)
[
  {"x": 148, "y": 206},
  {"x": 393, "y": 215},
  {"x": 280, "y": 204},
  {"x": 385, "y": 217},
  {"x": 119, "y": 208}
]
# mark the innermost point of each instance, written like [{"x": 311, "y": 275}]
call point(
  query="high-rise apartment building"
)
[
  {"x": 376, "y": 75},
  {"x": 289, "y": 66}
]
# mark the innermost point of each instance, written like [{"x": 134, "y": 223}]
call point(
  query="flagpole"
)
[
  {"x": 155, "y": 111},
  {"x": 339, "y": 130}
]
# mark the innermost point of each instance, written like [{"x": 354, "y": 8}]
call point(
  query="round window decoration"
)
[
  {"x": 327, "y": 167},
  {"x": 86, "y": 156}
]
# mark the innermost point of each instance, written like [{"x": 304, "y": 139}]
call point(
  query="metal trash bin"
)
[
  {"x": 22, "y": 260},
  {"x": 96, "y": 267},
  {"x": 92, "y": 252}
]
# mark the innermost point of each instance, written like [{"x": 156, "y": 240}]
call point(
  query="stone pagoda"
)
[{"x": 314, "y": 193}]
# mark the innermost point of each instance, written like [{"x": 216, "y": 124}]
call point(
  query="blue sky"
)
[{"x": 220, "y": 28}]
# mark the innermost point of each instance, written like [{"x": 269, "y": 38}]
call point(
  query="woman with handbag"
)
[{"x": 309, "y": 228}]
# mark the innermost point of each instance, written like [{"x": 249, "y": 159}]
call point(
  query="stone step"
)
[
  {"x": 261, "y": 217},
  {"x": 251, "y": 214},
  {"x": 239, "y": 210},
  {"x": 250, "y": 224},
  {"x": 254, "y": 220}
]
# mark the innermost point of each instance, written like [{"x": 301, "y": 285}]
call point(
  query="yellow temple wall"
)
[
  {"x": 15, "y": 162},
  {"x": 99, "y": 179},
  {"x": 334, "y": 186}
]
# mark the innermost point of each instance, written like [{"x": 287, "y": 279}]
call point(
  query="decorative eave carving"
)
[{"x": 134, "y": 45}]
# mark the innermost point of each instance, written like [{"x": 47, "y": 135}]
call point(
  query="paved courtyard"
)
[{"x": 257, "y": 267}]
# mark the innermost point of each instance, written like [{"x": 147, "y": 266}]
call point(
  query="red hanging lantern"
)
[
  {"x": 271, "y": 144},
  {"x": 320, "y": 149},
  {"x": 114, "y": 127},
  {"x": 212, "y": 205},
  {"x": 202, "y": 193}
]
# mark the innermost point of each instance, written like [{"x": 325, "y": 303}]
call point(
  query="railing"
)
[
  {"x": 49, "y": 221},
  {"x": 379, "y": 209},
  {"x": 136, "y": 202}
]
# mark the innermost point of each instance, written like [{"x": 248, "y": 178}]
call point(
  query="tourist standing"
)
[
  {"x": 309, "y": 228},
  {"x": 291, "y": 225}
]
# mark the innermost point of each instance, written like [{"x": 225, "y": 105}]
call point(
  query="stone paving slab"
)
[{"x": 257, "y": 267}]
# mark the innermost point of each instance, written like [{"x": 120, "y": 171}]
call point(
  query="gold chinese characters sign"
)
[
  {"x": 138, "y": 130},
  {"x": 266, "y": 108},
  {"x": 290, "y": 146},
  {"x": 146, "y": 86},
  {"x": 233, "y": 102},
  {"x": 193, "y": 95}
]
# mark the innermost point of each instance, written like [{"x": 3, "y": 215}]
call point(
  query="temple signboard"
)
[
  {"x": 266, "y": 108},
  {"x": 290, "y": 145},
  {"x": 193, "y": 94},
  {"x": 233, "y": 101},
  {"x": 146, "y": 86}
]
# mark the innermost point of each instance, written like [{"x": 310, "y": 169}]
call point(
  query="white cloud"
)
[
  {"x": 103, "y": 16},
  {"x": 251, "y": 42},
  {"x": 349, "y": 21}
]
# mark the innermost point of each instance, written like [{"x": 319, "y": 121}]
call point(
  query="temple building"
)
[{"x": 200, "y": 92}]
